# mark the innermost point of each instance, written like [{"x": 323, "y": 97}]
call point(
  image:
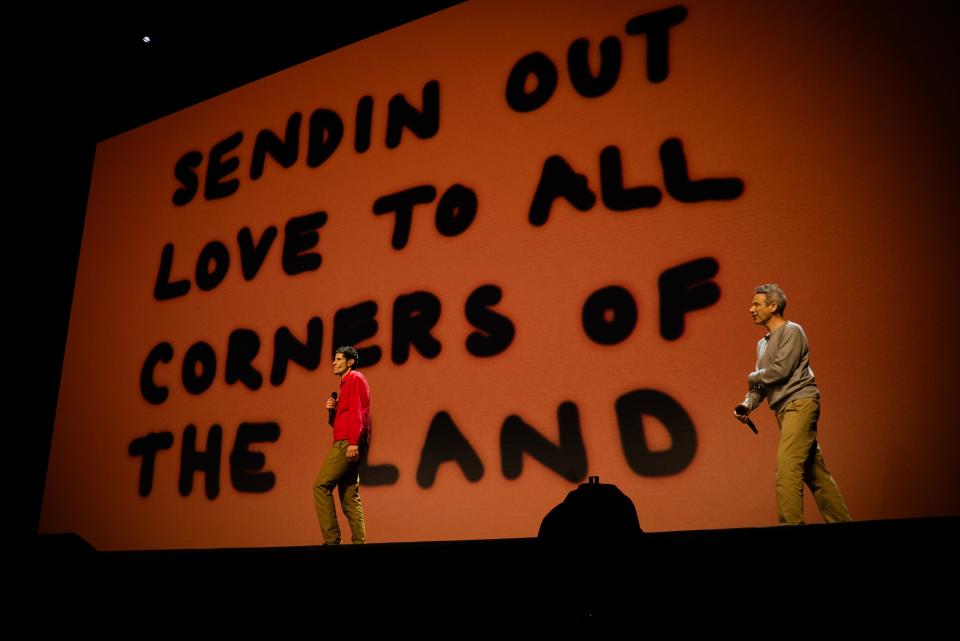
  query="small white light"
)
[{"x": 146, "y": 39}]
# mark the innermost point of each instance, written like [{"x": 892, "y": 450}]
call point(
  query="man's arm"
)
[
  {"x": 352, "y": 395},
  {"x": 756, "y": 392},
  {"x": 754, "y": 397}
]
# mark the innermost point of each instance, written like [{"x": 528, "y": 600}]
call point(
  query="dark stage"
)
[{"x": 875, "y": 574}]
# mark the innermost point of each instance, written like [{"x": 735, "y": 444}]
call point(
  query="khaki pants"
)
[
  {"x": 338, "y": 472},
  {"x": 799, "y": 461}
]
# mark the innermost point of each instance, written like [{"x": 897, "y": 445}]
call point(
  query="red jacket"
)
[{"x": 352, "y": 421}]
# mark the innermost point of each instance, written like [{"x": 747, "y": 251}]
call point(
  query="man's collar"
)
[{"x": 769, "y": 334}]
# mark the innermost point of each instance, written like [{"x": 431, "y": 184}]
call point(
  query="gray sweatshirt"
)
[{"x": 783, "y": 369}]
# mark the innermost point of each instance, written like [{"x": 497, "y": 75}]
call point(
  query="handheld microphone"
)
[
  {"x": 740, "y": 410},
  {"x": 332, "y": 413}
]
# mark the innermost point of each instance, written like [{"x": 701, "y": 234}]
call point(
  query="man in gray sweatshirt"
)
[{"x": 783, "y": 376}]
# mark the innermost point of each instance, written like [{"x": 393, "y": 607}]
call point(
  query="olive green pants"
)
[
  {"x": 338, "y": 472},
  {"x": 799, "y": 461}
]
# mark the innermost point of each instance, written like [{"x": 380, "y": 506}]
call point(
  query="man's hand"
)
[
  {"x": 331, "y": 403},
  {"x": 353, "y": 452},
  {"x": 742, "y": 413}
]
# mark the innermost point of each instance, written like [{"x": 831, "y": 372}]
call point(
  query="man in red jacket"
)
[{"x": 351, "y": 434}]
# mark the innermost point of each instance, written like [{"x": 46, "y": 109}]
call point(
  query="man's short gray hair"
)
[{"x": 773, "y": 294}]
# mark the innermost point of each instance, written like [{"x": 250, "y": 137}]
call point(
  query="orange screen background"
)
[{"x": 849, "y": 204}]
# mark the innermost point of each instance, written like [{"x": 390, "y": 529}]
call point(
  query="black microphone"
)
[
  {"x": 742, "y": 411},
  {"x": 332, "y": 413}
]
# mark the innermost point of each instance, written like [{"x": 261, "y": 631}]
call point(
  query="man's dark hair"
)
[
  {"x": 348, "y": 353},
  {"x": 773, "y": 294}
]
